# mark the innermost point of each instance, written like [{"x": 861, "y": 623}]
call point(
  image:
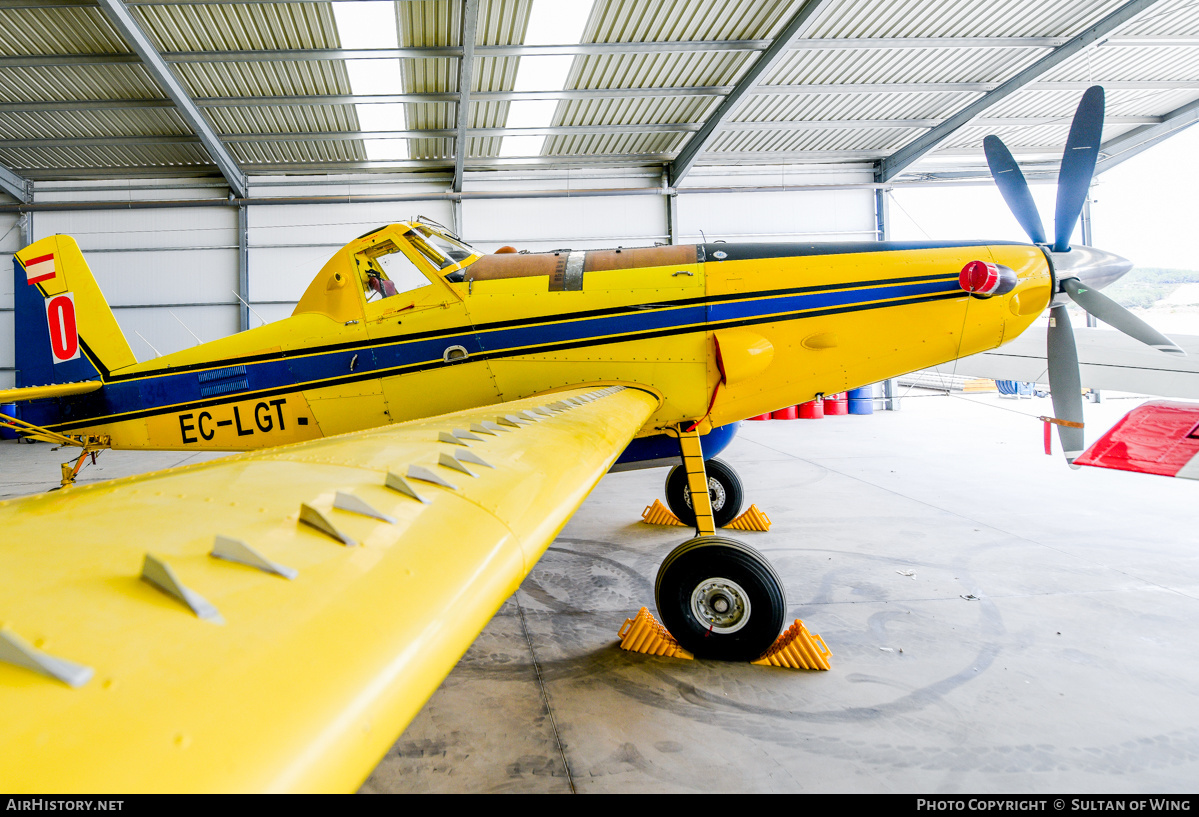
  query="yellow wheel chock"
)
[
  {"x": 797, "y": 649},
  {"x": 642, "y": 633},
  {"x": 753, "y": 519},
  {"x": 659, "y": 514}
]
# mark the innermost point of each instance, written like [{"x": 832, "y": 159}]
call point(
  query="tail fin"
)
[{"x": 65, "y": 330}]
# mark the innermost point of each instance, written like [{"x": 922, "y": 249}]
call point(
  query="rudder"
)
[{"x": 65, "y": 330}]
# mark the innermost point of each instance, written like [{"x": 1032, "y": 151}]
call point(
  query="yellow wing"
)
[{"x": 258, "y": 682}]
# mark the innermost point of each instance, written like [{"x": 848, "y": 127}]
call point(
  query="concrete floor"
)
[{"x": 998, "y": 623}]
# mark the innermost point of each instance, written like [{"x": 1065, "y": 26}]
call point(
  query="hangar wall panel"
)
[
  {"x": 166, "y": 334},
  {"x": 10, "y": 240},
  {"x": 6, "y": 348},
  {"x": 785, "y": 215},
  {"x": 163, "y": 276},
  {"x": 540, "y": 224}
]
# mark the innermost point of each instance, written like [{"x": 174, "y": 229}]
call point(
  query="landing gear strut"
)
[
  {"x": 718, "y": 597},
  {"x": 71, "y": 469}
]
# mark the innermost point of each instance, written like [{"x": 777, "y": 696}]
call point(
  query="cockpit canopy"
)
[{"x": 392, "y": 260}]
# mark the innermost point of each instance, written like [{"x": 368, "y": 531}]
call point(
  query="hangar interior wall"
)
[{"x": 172, "y": 272}]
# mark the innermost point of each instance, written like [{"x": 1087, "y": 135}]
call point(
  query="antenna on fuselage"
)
[
  {"x": 185, "y": 326},
  {"x": 247, "y": 306},
  {"x": 148, "y": 343}
]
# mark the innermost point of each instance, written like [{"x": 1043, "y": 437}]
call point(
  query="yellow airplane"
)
[{"x": 414, "y": 437}]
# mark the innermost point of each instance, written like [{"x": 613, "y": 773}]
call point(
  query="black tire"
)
[
  {"x": 724, "y": 488},
  {"x": 720, "y": 599}
]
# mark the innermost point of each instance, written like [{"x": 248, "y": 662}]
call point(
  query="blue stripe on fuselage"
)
[
  {"x": 736, "y": 310},
  {"x": 161, "y": 391}
]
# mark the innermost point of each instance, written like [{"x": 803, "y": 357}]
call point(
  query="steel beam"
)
[
  {"x": 585, "y": 49},
  {"x": 16, "y": 185},
  {"x": 882, "y": 222},
  {"x": 466, "y": 78},
  {"x": 799, "y": 23},
  {"x": 584, "y": 94},
  {"x": 400, "y": 53},
  {"x": 552, "y": 130},
  {"x": 136, "y": 39},
  {"x": 243, "y": 268},
  {"x": 894, "y": 164},
  {"x": 1127, "y": 145}
]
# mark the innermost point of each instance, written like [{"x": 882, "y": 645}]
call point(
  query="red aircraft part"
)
[
  {"x": 1159, "y": 437},
  {"x": 983, "y": 279}
]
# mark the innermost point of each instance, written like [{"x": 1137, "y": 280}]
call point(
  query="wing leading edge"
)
[{"x": 294, "y": 685}]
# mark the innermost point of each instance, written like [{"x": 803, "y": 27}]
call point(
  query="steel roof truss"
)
[
  {"x": 893, "y": 165},
  {"x": 132, "y": 33},
  {"x": 470, "y": 21},
  {"x": 800, "y": 22}
]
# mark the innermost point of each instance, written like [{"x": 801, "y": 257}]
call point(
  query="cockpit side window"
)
[{"x": 386, "y": 271}]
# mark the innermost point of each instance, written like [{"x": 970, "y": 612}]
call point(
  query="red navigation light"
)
[{"x": 982, "y": 279}]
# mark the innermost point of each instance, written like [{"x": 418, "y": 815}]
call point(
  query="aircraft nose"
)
[{"x": 1094, "y": 268}]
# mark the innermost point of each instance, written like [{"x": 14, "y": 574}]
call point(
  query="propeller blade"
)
[
  {"x": 1012, "y": 184},
  {"x": 1078, "y": 165},
  {"x": 1116, "y": 316},
  {"x": 1065, "y": 386}
]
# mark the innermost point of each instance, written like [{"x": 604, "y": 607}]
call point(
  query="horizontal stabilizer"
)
[
  {"x": 1158, "y": 437},
  {"x": 26, "y": 393}
]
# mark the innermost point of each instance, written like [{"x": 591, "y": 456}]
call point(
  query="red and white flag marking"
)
[
  {"x": 39, "y": 269},
  {"x": 1159, "y": 437}
]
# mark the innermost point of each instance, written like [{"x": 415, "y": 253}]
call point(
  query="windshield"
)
[{"x": 442, "y": 250}]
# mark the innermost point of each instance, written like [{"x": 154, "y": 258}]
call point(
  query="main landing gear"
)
[
  {"x": 724, "y": 491},
  {"x": 718, "y": 597}
]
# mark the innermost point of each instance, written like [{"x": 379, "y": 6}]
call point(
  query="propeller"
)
[
  {"x": 1078, "y": 272},
  {"x": 1078, "y": 166}
]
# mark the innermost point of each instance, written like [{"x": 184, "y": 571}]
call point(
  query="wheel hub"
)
[
  {"x": 721, "y": 605},
  {"x": 716, "y": 493}
]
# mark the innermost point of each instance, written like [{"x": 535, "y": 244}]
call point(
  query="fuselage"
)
[{"x": 719, "y": 332}]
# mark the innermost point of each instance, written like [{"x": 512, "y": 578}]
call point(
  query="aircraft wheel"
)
[
  {"x": 720, "y": 599},
  {"x": 724, "y": 488}
]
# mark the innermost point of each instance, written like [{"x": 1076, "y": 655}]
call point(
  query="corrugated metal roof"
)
[
  {"x": 92, "y": 159},
  {"x": 851, "y": 107},
  {"x": 873, "y": 88},
  {"x": 883, "y": 65},
  {"x": 97, "y": 124},
  {"x": 1170, "y": 17},
  {"x": 61, "y": 83},
  {"x": 211, "y": 27},
  {"x": 788, "y": 141},
  {"x": 429, "y": 23},
  {"x": 58, "y": 31},
  {"x": 501, "y": 22},
  {"x": 960, "y": 18},
  {"x": 680, "y": 20}
]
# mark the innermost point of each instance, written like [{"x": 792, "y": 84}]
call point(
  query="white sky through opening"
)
[
  {"x": 373, "y": 25},
  {"x": 551, "y": 22}
]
